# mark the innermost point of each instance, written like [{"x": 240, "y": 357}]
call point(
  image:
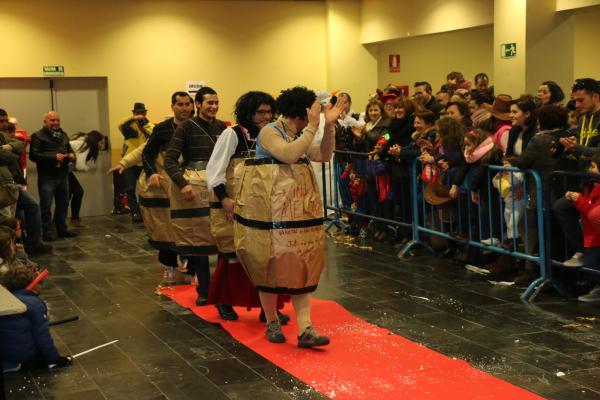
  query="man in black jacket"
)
[
  {"x": 51, "y": 151},
  {"x": 424, "y": 97}
]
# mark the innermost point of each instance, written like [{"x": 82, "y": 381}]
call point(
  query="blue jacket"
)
[{"x": 23, "y": 336}]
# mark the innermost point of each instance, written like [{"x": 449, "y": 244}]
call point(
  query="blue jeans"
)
[
  {"x": 130, "y": 177},
  {"x": 29, "y": 209},
  {"x": 57, "y": 188}
]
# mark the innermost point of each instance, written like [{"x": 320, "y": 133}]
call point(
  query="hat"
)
[
  {"x": 501, "y": 107},
  {"x": 437, "y": 194},
  {"x": 139, "y": 107},
  {"x": 388, "y": 98}
]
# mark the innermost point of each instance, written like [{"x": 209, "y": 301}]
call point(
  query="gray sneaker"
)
[
  {"x": 592, "y": 297},
  {"x": 274, "y": 333},
  {"x": 310, "y": 338}
]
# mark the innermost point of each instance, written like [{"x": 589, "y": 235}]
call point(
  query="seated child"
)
[
  {"x": 588, "y": 205},
  {"x": 507, "y": 182},
  {"x": 25, "y": 338},
  {"x": 21, "y": 256}
]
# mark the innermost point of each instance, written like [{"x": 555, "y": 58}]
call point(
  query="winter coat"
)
[
  {"x": 513, "y": 135},
  {"x": 43, "y": 148},
  {"x": 370, "y": 138},
  {"x": 23, "y": 336}
]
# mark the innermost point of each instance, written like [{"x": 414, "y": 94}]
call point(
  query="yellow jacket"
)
[{"x": 134, "y": 134}]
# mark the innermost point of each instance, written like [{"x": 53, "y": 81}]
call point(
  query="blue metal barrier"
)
[
  {"x": 333, "y": 183},
  {"x": 469, "y": 222},
  {"x": 473, "y": 235}
]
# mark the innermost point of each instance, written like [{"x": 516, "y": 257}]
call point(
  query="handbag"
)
[{"x": 9, "y": 194}]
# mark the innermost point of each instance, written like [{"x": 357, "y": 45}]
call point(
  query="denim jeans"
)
[
  {"x": 30, "y": 210},
  {"x": 130, "y": 177},
  {"x": 57, "y": 188}
]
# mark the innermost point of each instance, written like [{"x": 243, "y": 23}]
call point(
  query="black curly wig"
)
[
  {"x": 292, "y": 103},
  {"x": 247, "y": 105}
]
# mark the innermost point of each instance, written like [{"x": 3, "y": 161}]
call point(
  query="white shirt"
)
[
  {"x": 216, "y": 169},
  {"x": 80, "y": 163}
]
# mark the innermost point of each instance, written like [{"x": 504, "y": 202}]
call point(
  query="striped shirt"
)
[{"x": 194, "y": 140}]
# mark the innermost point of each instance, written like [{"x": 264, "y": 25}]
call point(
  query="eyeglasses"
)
[{"x": 264, "y": 112}]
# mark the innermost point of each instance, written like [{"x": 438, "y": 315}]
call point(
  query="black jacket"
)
[
  {"x": 513, "y": 135},
  {"x": 43, "y": 148},
  {"x": 435, "y": 107}
]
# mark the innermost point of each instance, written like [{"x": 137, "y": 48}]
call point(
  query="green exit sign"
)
[
  {"x": 509, "y": 50},
  {"x": 54, "y": 70}
]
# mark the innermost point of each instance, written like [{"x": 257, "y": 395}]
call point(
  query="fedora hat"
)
[
  {"x": 437, "y": 194},
  {"x": 501, "y": 107},
  {"x": 139, "y": 107}
]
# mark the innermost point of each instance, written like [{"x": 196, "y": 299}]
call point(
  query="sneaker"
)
[
  {"x": 283, "y": 318},
  {"x": 592, "y": 297},
  {"x": 491, "y": 242},
  {"x": 310, "y": 338},
  {"x": 575, "y": 262},
  {"x": 169, "y": 276},
  {"x": 226, "y": 312},
  {"x": 10, "y": 367},
  {"x": 274, "y": 333},
  {"x": 76, "y": 223}
]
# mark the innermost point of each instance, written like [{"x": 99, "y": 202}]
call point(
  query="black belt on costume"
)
[
  {"x": 270, "y": 160},
  {"x": 267, "y": 225},
  {"x": 197, "y": 165}
]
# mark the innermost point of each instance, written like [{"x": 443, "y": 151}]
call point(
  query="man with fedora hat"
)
[{"x": 135, "y": 129}]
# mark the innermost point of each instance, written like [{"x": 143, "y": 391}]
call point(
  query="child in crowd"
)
[
  {"x": 12, "y": 227},
  {"x": 25, "y": 338},
  {"x": 588, "y": 205},
  {"x": 480, "y": 151},
  {"x": 8, "y": 249},
  {"x": 507, "y": 183}
]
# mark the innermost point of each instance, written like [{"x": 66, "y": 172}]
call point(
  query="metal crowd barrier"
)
[
  {"x": 333, "y": 185},
  {"x": 464, "y": 222}
]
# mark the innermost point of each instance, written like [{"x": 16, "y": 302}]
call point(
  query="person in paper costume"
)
[
  {"x": 278, "y": 210},
  {"x": 229, "y": 285}
]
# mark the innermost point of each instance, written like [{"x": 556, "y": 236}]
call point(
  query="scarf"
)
[
  {"x": 371, "y": 125},
  {"x": 484, "y": 147}
]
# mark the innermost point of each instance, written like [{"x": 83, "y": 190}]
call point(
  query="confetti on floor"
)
[{"x": 363, "y": 361}]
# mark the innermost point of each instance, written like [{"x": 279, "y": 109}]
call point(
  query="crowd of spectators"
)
[{"x": 455, "y": 136}]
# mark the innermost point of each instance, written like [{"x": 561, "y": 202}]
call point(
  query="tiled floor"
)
[{"x": 108, "y": 274}]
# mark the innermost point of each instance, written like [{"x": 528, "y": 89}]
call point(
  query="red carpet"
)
[{"x": 363, "y": 361}]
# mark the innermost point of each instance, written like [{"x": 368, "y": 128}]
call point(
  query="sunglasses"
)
[{"x": 586, "y": 85}]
